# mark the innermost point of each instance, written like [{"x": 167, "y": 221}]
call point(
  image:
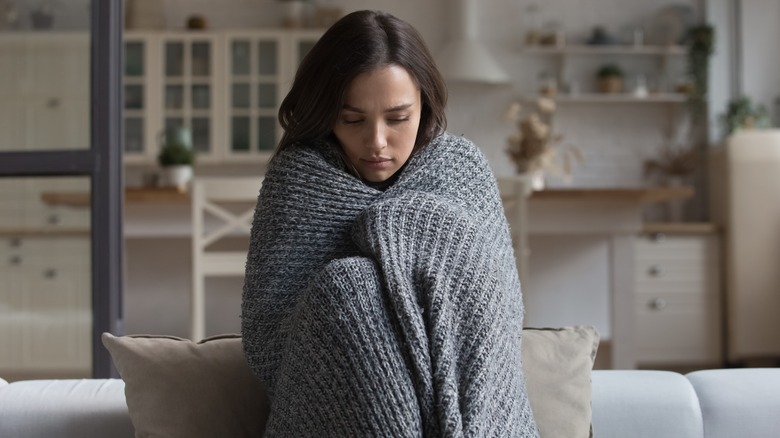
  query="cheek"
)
[{"x": 349, "y": 142}]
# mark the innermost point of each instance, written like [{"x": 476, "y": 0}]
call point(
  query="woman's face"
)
[{"x": 378, "y": 123}]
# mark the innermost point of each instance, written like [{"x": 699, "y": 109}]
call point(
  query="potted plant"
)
[
  {"x": 177, "y": 157},
  {"x": 742, "y": 113},
  {"x": 702, "y": 39},
  {"x": 674, "y": 165},
  {"x": 610, "y": 78}
]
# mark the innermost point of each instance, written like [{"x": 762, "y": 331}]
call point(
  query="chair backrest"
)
[
  {"x": 222, "y": 207},
  {"x": 515, "y": 191}
]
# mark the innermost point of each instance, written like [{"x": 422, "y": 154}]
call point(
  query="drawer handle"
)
[
  {"x": 655, "y": 271},
  {"x": 657, "y": 304},
  {"x": 16, "y": 242},
  {"x": 53, "y": 219},
  {"x": 16, "y": 260},
  {"x": 50, "y": 273}
]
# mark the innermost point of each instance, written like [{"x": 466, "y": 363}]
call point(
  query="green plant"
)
[
  {"x": 609, "y": 71},
  {"x": 176, "y": 154},
  {"x": 702, "y": 39},
  {"x": 741, "y": 113}
]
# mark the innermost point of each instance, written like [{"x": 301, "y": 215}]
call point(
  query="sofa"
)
[
  {"x": 726, "y": 403},
  {"x": 164, "y": 381}
]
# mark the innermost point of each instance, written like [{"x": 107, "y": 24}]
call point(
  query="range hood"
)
[{"x": 464, "y": 58}]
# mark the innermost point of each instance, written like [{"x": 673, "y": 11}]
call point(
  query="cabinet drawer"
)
[
  {"x": 673, "y": 270},
  {"x": 677, "y": 329},
  {"x": 677, "y": 293}
]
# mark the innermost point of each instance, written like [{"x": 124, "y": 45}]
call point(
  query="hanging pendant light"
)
[{"x": 464, "y": 58}]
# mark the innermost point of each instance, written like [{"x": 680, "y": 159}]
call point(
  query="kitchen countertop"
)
[
  {"x": 641, "y": 194},
  {"x": 132, "y": 195},
  {"x": 174, "y": 195}
]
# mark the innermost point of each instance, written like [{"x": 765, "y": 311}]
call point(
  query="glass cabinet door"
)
[
  {"x": 136, "y": 103},
  {"x": 254, "y": 76},
  {"x": 188, "y": 89},
  {"x": 260, "y": 72}
]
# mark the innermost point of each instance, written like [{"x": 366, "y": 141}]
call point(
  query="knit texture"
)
[{"x": 395, "y": 313}]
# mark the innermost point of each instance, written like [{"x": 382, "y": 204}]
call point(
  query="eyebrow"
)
[{"x": 393, "y": 109}]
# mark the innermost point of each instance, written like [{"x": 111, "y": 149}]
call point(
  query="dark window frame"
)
[{"x": 103, "y": 163}]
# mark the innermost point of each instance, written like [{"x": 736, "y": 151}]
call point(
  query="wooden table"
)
[
  {"x": 581, "y": 232},
  {"x": 132, "y": 195}
]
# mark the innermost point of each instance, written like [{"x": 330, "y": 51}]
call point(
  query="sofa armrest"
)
[
  {"x": 741, "y": 402},
  {"x": 644, "y": 403},
  {"x": 83, "y": 408}
]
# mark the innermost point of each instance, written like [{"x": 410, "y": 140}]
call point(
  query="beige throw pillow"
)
[
  {"x": 557, "y": 365},
  {"x": 178, "y": 388}
]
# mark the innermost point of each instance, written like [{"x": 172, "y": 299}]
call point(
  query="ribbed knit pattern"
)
[{"x": 396, "y": 313}]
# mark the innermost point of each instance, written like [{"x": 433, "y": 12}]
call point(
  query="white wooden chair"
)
[
  {"x": 213, "y": 221},
  {"x": 515, "y": 191}
]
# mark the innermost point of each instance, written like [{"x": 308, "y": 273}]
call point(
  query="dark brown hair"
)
[{"x": 359, "y": 42}]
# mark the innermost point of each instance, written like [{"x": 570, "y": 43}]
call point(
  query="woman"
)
[{"x": 381, "y": 294}]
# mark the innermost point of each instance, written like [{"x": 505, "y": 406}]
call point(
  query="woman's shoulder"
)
[
  {"x": 311, "y": 152},
  {"x": 448, "y": 142},
  {"x": 454, "y": 140},
  {"x": 457, "y": 147}
]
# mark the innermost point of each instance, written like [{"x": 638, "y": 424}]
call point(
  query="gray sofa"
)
[{"x": 725, "y": 403}]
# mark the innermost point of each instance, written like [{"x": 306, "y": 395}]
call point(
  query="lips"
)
[{"x": 377, "y": 163}]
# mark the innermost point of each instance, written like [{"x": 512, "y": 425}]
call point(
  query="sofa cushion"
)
[
  {"x": 739, "y": 402},
  {"x": 557, "y": 365},
  {"x": 175, "y": 387},
  {"x": 66, "y": 408},
  {"x": 179, "y": 388},
  {"x": 644, "y": 404}
]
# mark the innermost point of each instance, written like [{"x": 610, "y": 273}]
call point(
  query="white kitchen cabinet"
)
[
  {"x": 22, "y": 206},
  {"x": 142, "y": 125},
  {"x": 45, "y": 304},
  {"x": 44, "y": 91},
  {"x": 12, "y": 203},
  {"x": 678, "y": 299},
  {"x": 172, "y": 79},
  {"x": 225, "y": 86},
  {"x": 192, "y": 88},
  {"x": 260, "y": 70}
]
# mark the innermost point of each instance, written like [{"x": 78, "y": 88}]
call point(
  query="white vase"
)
[
  {"x": 533, "y": 180},
  {"x": 294, "y": 13},
  {"x": 177, "y": 176}
]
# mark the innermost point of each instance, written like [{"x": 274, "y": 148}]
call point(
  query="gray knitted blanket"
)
[{"x": 394, "y": 313}]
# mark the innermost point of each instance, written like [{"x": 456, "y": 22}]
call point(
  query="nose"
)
[{"x": 378, "y": 137}]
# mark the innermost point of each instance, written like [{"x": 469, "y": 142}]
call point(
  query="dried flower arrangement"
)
[
  {"x": 534, "y": 147},
  {"x": 672, "y": 162}
]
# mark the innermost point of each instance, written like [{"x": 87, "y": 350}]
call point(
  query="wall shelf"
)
[
  {"x": 618, "y": 98},
  {"x": 606, "y": 50}
]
